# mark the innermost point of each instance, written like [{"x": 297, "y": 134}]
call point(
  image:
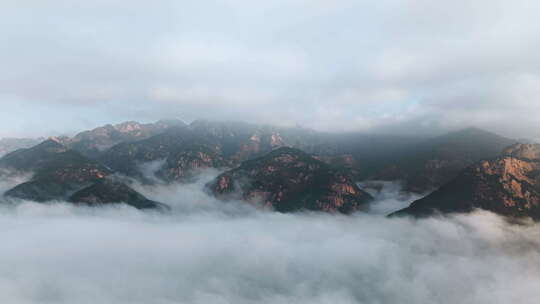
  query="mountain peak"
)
[
  {"x": 51, "y": 145},
  {"x": 289, "y": 180}
]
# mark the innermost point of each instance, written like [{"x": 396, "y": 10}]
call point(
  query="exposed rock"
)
[
  {"x": 290, "y": 180},
  {"x": 506, "y": 185}
]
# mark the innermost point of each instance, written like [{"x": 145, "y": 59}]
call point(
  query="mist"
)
[
  {"x": 392, "y": 65},
  {"x": 208, "y": 251}
]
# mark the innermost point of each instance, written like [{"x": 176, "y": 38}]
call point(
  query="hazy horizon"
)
[
  {"x": 376, "y": 132},
  {"x": 414, "y": 67}
]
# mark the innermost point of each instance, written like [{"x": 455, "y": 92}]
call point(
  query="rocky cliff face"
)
[
  {"x": 290, "y": 180},
  {"x": 506, "y": 185}
]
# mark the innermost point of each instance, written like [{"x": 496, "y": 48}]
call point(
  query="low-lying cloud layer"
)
[{"x": 208, "y": 251}]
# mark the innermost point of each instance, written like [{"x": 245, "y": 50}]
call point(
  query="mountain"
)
[
  {"x": 187, "y": 149},
  {"x": 56, "y": 171},
  {"x": 127, "y": 158},
  {"x": 523, "y": 151},
  {"x": 34, "y": 158},
  {"x": 186, "y": 163},
  {"x": 91, "y": 143},
  {"x": 239, "y": 141},
  {"x": 507, "y": 185},
  {"x": 8, "y": 145},
  {"x": 61, "y": 174},
  {"x": 108, "y": 191},
  {"x": 289, "y": 180},
  {"x": 203, "y": 144},
  {"x": 436, "y": 161}
]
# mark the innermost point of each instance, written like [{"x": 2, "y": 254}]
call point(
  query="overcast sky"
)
[{"x": 399, "y": 66}]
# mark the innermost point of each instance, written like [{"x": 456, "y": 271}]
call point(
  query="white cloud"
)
[{"x": 213, "y": 252}]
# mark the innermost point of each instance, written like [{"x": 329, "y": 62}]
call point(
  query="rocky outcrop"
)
[
  {"x": 506, "y": 185},
  {"x": 290, "y": 180}
]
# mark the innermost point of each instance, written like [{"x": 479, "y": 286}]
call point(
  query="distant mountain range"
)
[{"x": 285, "y": 169}]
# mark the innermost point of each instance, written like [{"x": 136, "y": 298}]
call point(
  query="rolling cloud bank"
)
[{"x": 208, "y": 251}]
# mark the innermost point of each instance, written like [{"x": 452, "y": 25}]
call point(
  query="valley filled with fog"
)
[{"x": 210, "y": 251}]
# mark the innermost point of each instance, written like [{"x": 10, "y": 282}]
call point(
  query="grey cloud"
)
[{"x": 345, "y": 65}]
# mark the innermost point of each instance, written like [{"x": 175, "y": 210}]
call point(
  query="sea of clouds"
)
[{"x": 206, "y": 251}]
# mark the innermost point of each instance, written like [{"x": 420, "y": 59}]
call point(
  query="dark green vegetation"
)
[{"x": 287, "y": 180}]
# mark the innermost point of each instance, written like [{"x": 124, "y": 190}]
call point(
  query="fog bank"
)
[{"x": 207, "y": 251}]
